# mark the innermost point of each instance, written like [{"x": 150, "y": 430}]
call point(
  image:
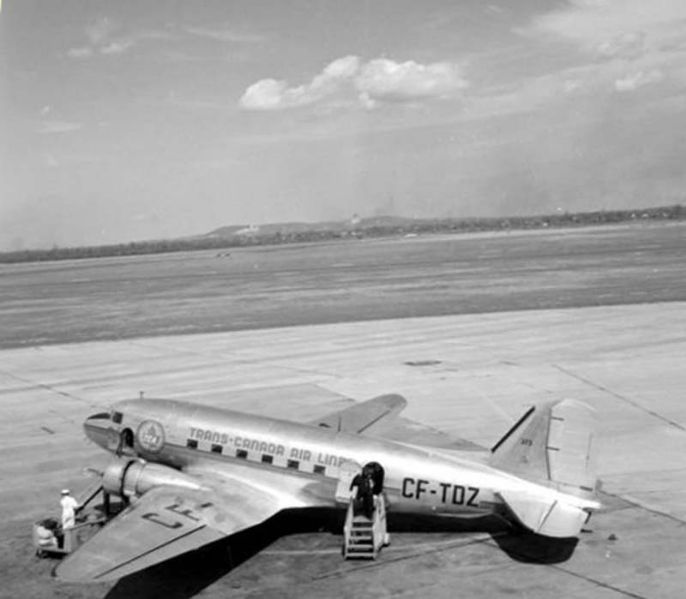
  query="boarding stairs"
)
[{"x": 364, "y": 537}]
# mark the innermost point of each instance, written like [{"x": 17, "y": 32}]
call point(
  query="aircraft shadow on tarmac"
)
[
  {"x": 187, "y": 575},
  {"x": 531, "y": 548},
  {"x": 518, "y": 543}
]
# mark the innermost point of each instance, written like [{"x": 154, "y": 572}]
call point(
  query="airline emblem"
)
[{"x": 150, "y": 436}]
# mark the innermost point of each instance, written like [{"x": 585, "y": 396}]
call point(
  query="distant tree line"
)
[{"x": 359, "y": 230}]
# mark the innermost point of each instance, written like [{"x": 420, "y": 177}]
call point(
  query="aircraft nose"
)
[{"x": 98, "y": 428}]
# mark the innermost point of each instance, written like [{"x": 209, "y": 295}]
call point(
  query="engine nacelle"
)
[{"x": 131, "y": 478}]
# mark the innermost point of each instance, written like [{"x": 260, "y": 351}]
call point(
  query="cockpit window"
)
[
  {"x": 117, "y": 417},
  {"x": 100, "y": 416}
]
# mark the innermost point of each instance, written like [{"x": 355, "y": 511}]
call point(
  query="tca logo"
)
[{"x": 150, "y": 436}]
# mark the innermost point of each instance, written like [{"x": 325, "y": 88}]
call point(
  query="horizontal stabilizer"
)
[{"x": 548, "y": 517}]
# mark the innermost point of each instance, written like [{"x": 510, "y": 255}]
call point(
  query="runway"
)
[
  {"x": 470, "y": 375},
  {"x": 294, "y": 285}
]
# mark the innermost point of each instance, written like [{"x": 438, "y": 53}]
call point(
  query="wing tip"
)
[
  {"x": 394, "y": 400},
  {"x": 64, "y": 575}
]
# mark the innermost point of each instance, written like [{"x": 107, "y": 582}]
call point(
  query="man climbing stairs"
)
[{"x": 364, "y": 531}]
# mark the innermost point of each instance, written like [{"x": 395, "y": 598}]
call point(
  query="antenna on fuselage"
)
[{"x": 140, "y": 394}]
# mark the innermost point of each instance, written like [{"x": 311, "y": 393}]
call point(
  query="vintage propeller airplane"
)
[{"x": 192, "y": 474}]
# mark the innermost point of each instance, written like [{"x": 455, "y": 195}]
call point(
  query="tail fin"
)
[{"x": 552, "y": 444}]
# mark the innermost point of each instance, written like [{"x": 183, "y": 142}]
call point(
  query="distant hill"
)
[
  {"x": 295, "y": 228},
  {"x": 355, "y": 228}
]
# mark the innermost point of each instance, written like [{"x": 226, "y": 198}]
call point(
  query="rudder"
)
[{"x": 553, "y": 444}]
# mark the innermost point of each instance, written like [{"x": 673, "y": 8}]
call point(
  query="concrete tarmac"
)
[{"x": 470, "y": 375}]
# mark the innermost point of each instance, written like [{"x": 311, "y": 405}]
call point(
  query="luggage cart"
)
[{"x": 50, "y": 540}]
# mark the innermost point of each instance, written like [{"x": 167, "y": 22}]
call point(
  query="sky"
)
[{"x": 126, "y": 120}]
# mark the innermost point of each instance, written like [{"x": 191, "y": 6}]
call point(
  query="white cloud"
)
[
  {"x": 266, "y": 94},
  {"x": 599, "y": 25},
  {"x": 377, "y": 81},
  {"x": 270, "y": 94},
  {"x": 100, "y": 30},
  {"x": 116, "y": 47},
  {"x": 639, "y": 79},
  {"x": 80, "y": 52},
  {"x": 225, "y": 35},
  {"x": 623, "y": 45},
  {"x": 101, "y": 40},
  {"x": 645, "y": 39},
  {"x": 385, "y": 80},
  {"x": 47, "y": 127},
  {"x": 340, "y": 68}
]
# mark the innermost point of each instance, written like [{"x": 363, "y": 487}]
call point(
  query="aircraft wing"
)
[
  {"x": 404, "y": 430},
  {"x": 361, "y": 417},
  {"x": 165, "y": 522},
  {"x": 378, "y": 417}
]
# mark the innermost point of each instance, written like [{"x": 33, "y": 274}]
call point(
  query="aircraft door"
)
[{"x": 125, "y": 442}]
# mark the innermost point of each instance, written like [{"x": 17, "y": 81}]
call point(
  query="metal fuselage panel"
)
[{"x": 418, "y": 480}]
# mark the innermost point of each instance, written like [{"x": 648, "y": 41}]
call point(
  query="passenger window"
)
[
  {"x": 267, "y": 459},
  {"x": 241, "y": 453},
  {"x": 192, "y": 443},
  {"x": 319, "y": 469},
  {"x": 294, "y": 464},
  {"x": 216, "y": 448},
  {"x": 117, "y": 417}
]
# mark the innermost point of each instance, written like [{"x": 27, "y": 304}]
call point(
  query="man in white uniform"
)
[{"x": 69, "y": 507}]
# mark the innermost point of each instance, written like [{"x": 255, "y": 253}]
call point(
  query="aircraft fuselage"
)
[{"x": 311, "y": 461}]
